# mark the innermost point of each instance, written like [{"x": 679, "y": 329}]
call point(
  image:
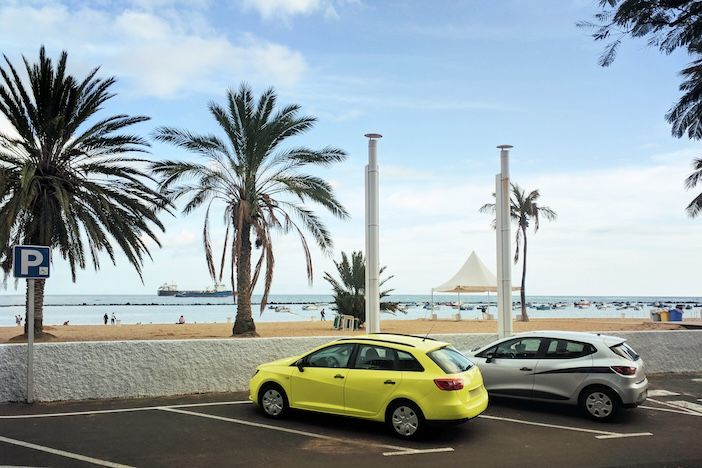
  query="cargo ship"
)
[
  {"x": 218, "y": 290},
  {"x": 167, "y": 289},
  {"x": 171, "y": 289}
]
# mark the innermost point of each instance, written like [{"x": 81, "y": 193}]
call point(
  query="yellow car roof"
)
[{"x": 411, "y": 341}]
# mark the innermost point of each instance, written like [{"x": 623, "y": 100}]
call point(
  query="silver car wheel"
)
[
  {"x": 272, "y": 402},
  {"x": 599, "y": 404},
  {"x": 405, "y": 421}
]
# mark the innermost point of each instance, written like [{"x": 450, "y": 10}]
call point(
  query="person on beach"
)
[
  {"x": 112, "y": 320},
  {"x": 322, "y": 314},
  {"x": 105, "y": 318},
  {"x": 181, "y": 320},
  {"x": 18, "y": 320}
]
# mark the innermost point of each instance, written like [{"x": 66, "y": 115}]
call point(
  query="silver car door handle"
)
[
  {"x": 338, "y": 376},
  {"x": 525, "y": 369}
]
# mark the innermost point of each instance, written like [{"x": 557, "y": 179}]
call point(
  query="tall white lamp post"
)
[
  {"x": 503, "y": 234},
  {"x": 372, "y": 237}
]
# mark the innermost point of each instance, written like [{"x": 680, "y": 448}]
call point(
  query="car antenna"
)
[{"x": 427, "y": 335}]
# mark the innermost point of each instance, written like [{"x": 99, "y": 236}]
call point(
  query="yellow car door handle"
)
[
  {"x": 338, "y": 376},
  {"x": 389, "y": 382}
]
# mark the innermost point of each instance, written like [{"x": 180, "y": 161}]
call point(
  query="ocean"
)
[{"x": 132, "y": 309}]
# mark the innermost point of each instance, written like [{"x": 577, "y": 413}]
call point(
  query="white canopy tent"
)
[{"x": 473, "y": 277}]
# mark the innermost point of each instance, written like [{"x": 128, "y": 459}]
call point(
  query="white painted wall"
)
[{"x": 127, "y": 369}]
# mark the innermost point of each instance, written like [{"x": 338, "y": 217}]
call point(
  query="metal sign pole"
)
[
  {"x": 30, "y": 340},
  {"x": 31, "y": 262}
]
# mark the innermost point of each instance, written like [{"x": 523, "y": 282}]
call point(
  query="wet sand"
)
[{"x": 317, "y": 328}]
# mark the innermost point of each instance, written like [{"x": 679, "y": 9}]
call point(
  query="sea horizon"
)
[{"x": 89, "y": 309}]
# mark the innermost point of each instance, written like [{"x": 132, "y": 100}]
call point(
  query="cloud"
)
[
  {"x": 156, "y": 55},
  {"x": 285, "y": 9},
  {"x": 620, "y": 230}
]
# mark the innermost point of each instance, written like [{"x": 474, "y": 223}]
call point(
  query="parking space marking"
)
[
  {"x": 418, "y": 452},
  {"x": 697, "y": 380},
  {"x": 667, "y": 410},
  {"x": 688, "y": 405},
  {"x": 612, "y": 435},
  {"x": 121, "y": 410},
  {"x": 659, "y": 393},
  {"x": 63, "y": 453},
  {"x": 677, "y": 408},
  {"x": 399, "y": 450},
  {"x": 620, "y": 436}
]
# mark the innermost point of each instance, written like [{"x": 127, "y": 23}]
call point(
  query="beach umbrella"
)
[{"x": 472, "y": 277}]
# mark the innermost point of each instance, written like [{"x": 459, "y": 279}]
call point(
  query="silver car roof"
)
[{"x": 609, "y": 340}]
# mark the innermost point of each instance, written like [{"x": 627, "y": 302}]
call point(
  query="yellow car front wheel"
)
[{"x": 273, "y": 401}]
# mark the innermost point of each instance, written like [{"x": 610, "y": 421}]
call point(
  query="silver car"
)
[{"x": 600, "y": 373}]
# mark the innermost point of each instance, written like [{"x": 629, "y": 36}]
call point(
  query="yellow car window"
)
[
  {"x": 331, "y": 356},
  {"x": 375, "y": 357}
]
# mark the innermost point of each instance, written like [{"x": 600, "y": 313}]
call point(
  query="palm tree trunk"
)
[
  {"x": 38, "y": 307},
  {"x": 525, "y": 317},
  {"x": 244, "y": 324}
]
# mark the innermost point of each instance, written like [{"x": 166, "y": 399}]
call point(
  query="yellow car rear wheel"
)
[
  {"x": 405, "y": 419},
  {"x": 273, "y": 401}
]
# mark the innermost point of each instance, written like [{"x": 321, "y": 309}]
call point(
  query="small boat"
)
[
  {"x": 543, "y": 307},
  {"x": 310, "y": 307},
  {"x": 282, "y": 309},
  {"x": 582, "y": 304},
  {"x": 467, "y": 307}
]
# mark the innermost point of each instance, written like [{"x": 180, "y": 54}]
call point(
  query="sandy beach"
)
[{"x": 273, "y": 329}]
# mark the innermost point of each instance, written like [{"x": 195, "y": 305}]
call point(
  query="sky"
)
[{"x": 444, "y": 82}]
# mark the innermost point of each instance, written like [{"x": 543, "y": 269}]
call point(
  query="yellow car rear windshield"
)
[{"x": 450, "y": 360}]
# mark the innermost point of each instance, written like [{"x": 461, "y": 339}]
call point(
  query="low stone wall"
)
[{"x": 126, "y": 369}]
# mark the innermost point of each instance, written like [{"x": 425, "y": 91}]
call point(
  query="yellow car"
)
[{"x": 403, "y": 380}]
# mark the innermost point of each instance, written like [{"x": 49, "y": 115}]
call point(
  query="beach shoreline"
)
[{"x": 78, "y": 333}]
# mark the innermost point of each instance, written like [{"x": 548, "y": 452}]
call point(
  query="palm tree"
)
[
  {"x": 259, "y": 185},
  {"x": 695, "y": 206},
  {"x": 67, "y": 179},
  {"x": 350, "y": 289},
  {"x": 524, "y": 209}
]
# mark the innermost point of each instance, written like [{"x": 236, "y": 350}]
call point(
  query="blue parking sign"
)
[{"x": 31, "y": 261}]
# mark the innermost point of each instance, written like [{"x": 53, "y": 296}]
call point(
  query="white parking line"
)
[
  {"x": 677, "y": 408},
  {"x": 63, "y": 453},
  {"x": 659, "y": 393},
  {"x": 121, "y": 410},
  {"x": 398, "y": 450},
  {"x": 688, "y": 405},
  {"x": 418, "y": 452},
  {"x": 620, "y": 436},
  {"x": 601, "y": 434},
  {"x": 668, "y": 410},
  {"x": 697, "y": 380}
]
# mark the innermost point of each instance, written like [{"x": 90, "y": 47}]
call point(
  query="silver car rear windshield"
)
[
  {"x": 625, "y": 351},
  {"x": 450, "y": 360}
]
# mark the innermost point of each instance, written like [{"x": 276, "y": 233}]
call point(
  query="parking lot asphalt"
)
[{"x": 226, "y": 430}]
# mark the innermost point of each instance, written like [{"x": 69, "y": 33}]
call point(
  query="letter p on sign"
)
[{"x": 31, "y": 261}]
